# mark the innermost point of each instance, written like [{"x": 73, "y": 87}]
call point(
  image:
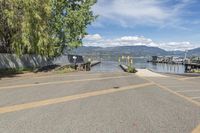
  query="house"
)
[
  {"x": 166, "y": 59},
  {"x": 177, "y": 60}
]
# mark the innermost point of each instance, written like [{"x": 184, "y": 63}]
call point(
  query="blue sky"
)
[{"x": 168, "y": 24}]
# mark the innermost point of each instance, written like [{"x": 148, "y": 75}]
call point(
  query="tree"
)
[
  {"x": 36, "y": 30},
  {"x": 70, "y": 21},
  {"x": 7, "y": 28},
  {"x": 44, "y": 27}
]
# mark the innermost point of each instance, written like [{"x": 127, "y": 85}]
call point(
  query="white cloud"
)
[
  {"x": 134, "y": 39},
  {"x": 93, "y": 37},
  {"x": 99, "y": 41},
  {"x": 123, "y": 41},
  {"x": 130, "y": 12},
  {"x": 172, "y": 46}
]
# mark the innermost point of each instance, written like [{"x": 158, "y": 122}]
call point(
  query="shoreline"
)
[{"x": 178, "y": 74}]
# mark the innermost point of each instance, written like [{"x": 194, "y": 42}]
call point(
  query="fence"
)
[
  {"x": 32, "y": 61},
  {"x": 13, "y": 61}
]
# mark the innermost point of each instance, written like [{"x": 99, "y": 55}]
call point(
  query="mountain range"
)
[{"x": 136, "y": 51}]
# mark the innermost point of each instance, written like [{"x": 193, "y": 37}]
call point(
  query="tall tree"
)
[
  {"x": 70, "y": 21},
  {"x": 44, "y": 27},
  {"x": 8, "y": 26}
]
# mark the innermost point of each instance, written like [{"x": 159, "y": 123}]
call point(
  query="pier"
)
[
  {"x": 94, "y": 63},
  {"x": 192, "y": 66},
  {"x": 123, "y": 67}
]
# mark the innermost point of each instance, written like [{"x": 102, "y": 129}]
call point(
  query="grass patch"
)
[
  {"x": 65, "y": 69},
  {"x": 13, "y": 71},
  {"x": 131, "y": 69},
  {"x": 196, "y": 71}
]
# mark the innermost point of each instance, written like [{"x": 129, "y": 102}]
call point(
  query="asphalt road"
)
[{"x": 94, "y": 102}]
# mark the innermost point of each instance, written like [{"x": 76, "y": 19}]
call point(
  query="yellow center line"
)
[
  {"x": 188, "y": 91},
  {"x": 37, "y": 104},
  {"x": 197, "y": 129},
  {"x": 60, "y": 82},
  {"x": 61, "y": 76},
  {"x": 177, "y": 94},
  {"x": 174, "y": 92},
  {"x": 195, "y": 97},
  {"x": 72, "y": 75}
]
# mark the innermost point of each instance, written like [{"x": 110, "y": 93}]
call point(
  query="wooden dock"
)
[
  {"x": 124, "y": 67},
  {"x": 94, "y": 63},
  {"x": 191, "y": 66}
]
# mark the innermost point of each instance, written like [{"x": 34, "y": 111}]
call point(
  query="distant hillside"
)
[
  {"x": 136, "y": 51},
  {"x": 122, "y": 50},
  {"x": 194, "y": 52}
]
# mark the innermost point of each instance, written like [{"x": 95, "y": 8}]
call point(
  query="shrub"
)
[
  {"x": 65, "y": 69},
  {"x": 131, "y": 69},
  {"x": 11, "y": 71}
]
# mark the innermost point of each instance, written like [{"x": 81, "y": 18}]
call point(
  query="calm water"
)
[
  {"x": 165, "y": 68},
  {"x": 112, "y": 66},
  {"x": 107, "y": 66}
]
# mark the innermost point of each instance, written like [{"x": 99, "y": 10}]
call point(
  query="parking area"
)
[
  {"x": 182, "y": 86},
  {"x": 100, "y": 102}
]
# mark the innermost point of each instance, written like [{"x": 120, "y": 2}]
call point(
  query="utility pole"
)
[{"x": 186, "y": 51}]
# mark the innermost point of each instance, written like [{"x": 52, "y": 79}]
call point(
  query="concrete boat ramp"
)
[
  {"x": 148, "y": 73},
  {"x": 100, "y": 102}
]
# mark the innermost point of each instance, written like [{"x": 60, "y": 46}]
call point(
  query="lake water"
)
[
  {"x": 107, "y": 66},
  {"x": 141, "y": 63}
]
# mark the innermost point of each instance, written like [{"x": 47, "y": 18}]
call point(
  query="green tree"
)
[
  {"x": 70, "y": 21},
  {"x": 7, "y": 26},
  {"x": 44, "y": 27}
]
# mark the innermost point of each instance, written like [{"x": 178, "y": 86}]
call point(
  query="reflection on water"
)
[
  {"x": 167, "y": 68},
  {"x": 159, "y": 67},
  {"x": 107, "y": 66},
  {"x": 113, "y": 66}
]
